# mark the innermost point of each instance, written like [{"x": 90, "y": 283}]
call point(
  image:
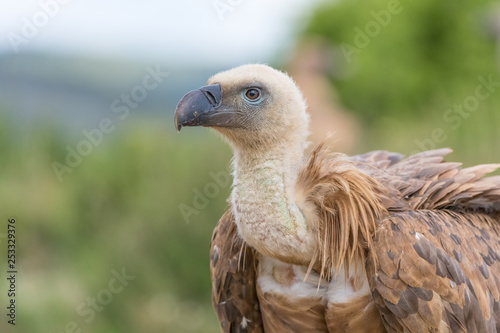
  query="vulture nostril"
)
[{"x": 211, "y": 97}]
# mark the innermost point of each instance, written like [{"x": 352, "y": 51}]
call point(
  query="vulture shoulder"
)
[{"x": 436, "y": 264}]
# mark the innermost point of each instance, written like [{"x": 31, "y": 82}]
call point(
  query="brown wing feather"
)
[
  {"x": 424, "y": 181},
  {"x": 232, "y": 266},
  {"x": 380, "y": 159},
  {"x": 437, "y": 270}
]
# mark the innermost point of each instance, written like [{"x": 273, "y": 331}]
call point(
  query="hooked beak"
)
[{"x": 203, "y": 107}]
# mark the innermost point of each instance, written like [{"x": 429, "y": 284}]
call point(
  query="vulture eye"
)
[{"x": 252, "y": 94}]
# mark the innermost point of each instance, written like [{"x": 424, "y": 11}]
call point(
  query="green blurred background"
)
[{"x": 382, "y": 74}]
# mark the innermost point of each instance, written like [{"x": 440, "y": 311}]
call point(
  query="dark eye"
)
[{"x": 252, "y": 94}]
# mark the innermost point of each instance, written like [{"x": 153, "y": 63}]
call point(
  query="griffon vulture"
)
[{"x": 331, "y": 243}]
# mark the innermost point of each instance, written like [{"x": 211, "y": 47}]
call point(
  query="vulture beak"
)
[{"x": 203, "y": 107}]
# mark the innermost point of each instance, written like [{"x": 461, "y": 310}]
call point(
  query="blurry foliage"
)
[
  {"x": 118, "y": 208},
  {"x": 431, "y": 48},
  {"x": 423, "y": 60}
]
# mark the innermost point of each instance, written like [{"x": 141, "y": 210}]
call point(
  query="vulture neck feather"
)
[{"x": 265, "y": 207}]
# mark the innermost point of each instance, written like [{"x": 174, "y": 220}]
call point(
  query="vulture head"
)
[
  {"x": 252, "y": 106},
  {"x": 262, "y": 114}
]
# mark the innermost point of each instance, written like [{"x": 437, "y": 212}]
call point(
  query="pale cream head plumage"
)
[{"x": 277, "y": 117}]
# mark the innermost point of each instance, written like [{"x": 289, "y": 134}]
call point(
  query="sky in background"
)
[{"x": 237, "y": 31}]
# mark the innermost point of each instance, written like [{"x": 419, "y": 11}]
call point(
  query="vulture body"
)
[{"x": 368, "y": 243}]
